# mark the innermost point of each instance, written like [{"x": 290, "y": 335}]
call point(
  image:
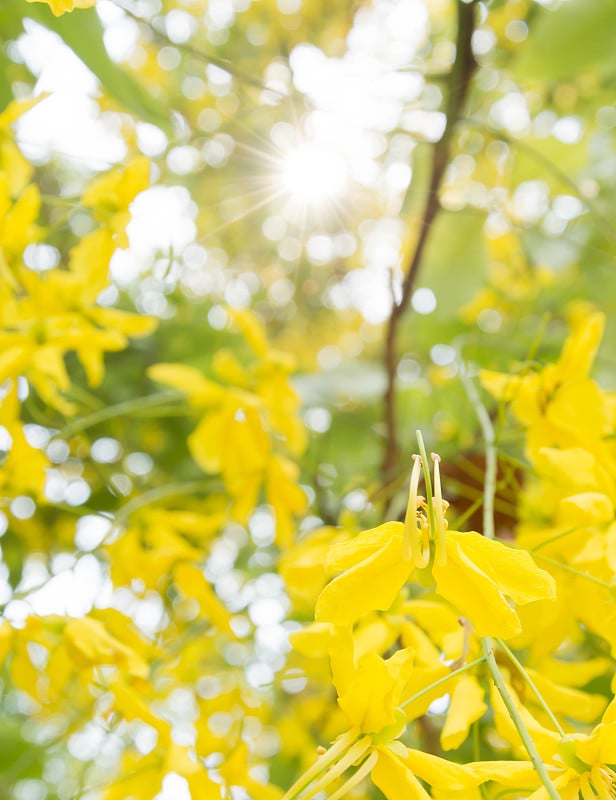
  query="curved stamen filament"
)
[
  {"x": 410, "y": 540},
  {"x": 425, "y": 538},
  {"x": 350, "y": 757},
  {"x": 337, "y": 749},
  {"x": 357, "y": 777},
  {"x": 604, "y": 781},
  {"x": 439, "y": 515}
]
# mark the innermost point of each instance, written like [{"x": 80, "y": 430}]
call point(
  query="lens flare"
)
[{"x": 312, "y": 175}]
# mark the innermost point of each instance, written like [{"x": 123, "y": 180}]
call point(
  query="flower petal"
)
[
  {"x": 466, "y": 707},
  {"x": 513, "y": 571},
  {"x": 371, "y": 585},
  {"x": 395, "y": 779}
]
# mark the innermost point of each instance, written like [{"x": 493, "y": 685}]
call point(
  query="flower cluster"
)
[{"x": 414, "y": 610}]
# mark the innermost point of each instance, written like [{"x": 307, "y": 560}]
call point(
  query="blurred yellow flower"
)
[{"x": 59, "y": 7}]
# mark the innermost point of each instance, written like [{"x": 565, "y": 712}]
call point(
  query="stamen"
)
[
  {"x": 410, "y": 541},
  {"x": 602, "y": 782},
  {"x": 466, "y": 644},
  {"x": 439, "y": 515},
  {"x": 358, "y": 777},
  {"x": 586, "y": 789},
  {"x": 425, "y": 536},
  {"x": 337, "y": 749},
  {"x": 351, "y": 756}
]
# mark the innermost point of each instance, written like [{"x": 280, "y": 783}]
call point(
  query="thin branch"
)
[
  {"x": 517, "y": 720},
  {"x": 459, "y": 82},
  {"x": 550, "y": 167},
  {"x": 134, "y": 406},
  {"x": 444, "y": 679},
  {"x": 542, "y": 702},
  {"x": 487, "y": 430},
  {"x": 161, "y": 493},
  {"x": 487, "y": 643},
  {"x": 200, "y": 55}
]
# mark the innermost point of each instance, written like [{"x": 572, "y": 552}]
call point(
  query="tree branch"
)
[{"x": 459, "y": 81}]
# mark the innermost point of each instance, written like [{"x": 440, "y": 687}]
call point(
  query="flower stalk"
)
[
  {"x": 540, "y": 769},
  {"x": 532, "y": 686}
]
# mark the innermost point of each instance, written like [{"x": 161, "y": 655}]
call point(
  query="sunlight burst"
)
[{"x": 312, "y": 175}]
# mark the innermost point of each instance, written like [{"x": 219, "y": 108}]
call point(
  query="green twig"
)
[
  {"x": 160, "y": 493},
  {"x": 458, "y": 85},
  {"x": 557, "y": 538},
  {"x": 489, "y": 489},
  {"x": 530, "y": 682},
  {"x": 461, "y": 519},
  {"x": 487, "y": 429},
  {"x": 517, "y": 720},
  {"x": 567, "y": 568},
  {"x": 444, "y": 679},
  {"x": 201, "y": 55},
  {"x": 118, "y": 410}
]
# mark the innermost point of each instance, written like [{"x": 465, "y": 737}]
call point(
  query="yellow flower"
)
[
  {"x": 580, "y": 765},
  {"x": 478, "y": 576},
  {"x": 244, "y": 424},
  {"x": 396, "y": 769},
  {"x": 370, "y": 688},
  {"x": 18, "y": 226},
  {"x": 302, "y": 566},
  {"x": 23, "y": 467},
  {"x": 111, "y": 194},
  {"x": 56, "y": 313},
  {"x": 59, "y": 7},
  {"x": 373, "y": 571},
  {"x": 13, "y": 165},
  {"x": 549, "y": 402}
]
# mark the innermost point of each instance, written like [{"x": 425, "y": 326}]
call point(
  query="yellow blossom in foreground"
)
[
  {"x": 396, "y": 770},
  {"x": 580, "y": 765},
  {"x": 370, "y": 688},
  {"x": 478, "y": 576}
]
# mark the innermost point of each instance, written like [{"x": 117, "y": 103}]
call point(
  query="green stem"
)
[
  {"x": 573, "y": 571},
  {"x": 517, "y": 720},
  {"x": 471, "y": 493},
  {"x": 444, "y": 679},
  {"x": 531, "y": 683},
  {"x": 160, "y": 493},
  {"x": 487, "y": 429},
  {"x": 461, "y": 519},
  {"x": 118, "y": 410},
  {"x": 356, "y": 778},
  {"x": 426, "y": 471},
  {"x": 555, "y": 538}
]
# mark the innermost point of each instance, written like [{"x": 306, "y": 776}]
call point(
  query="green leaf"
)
[
  {"x": 454, "y": 262},
  {"x": 6, "y": 90},
  {"x": 82, "y": 31},
  {"x": 578, "y": 35},
  {"x": 10, "y": 29}
]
